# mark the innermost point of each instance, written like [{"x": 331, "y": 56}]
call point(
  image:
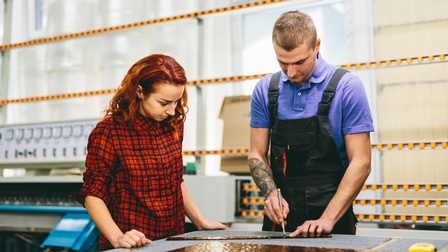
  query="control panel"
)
[{"x": 42, "y": 143}]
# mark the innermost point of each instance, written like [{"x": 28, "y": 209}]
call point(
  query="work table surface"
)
[{"x": 333, "y": 243}]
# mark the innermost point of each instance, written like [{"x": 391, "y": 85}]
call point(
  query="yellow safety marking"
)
[
  {"x": 403, "y": 218},
  {"x": 394, "y": 62},
  {"x": 134, "y": 25},
  {"x": 59, "y": 96},
  {"x": 374, "y": 217},
  {"x": 405, "y": 187},
  {"x": 195, "y": 83},
  {"x": 402, "y": 202}
]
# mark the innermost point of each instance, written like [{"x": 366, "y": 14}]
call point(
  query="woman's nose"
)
[{"x": 171, "y": 109}]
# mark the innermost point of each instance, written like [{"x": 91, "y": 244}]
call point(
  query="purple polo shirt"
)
[{"x": 349, "y": 110}]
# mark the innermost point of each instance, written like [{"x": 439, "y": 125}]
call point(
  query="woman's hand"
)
[
  {"x": 211, "y": 225},
  {"x": 131, "y": 239}
]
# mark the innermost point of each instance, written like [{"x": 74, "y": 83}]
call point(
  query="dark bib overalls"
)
[{"x": 305, "y": 163}]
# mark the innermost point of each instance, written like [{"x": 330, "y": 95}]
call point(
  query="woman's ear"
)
[{"x": 139, "y": 92}]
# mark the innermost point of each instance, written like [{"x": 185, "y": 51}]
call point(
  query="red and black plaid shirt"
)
[{"x": 137, "y": 171}]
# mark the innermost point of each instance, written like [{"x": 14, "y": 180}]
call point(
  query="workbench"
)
[{"x": 239, "y": 243}]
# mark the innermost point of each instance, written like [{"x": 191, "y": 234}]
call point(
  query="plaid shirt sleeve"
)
[{"x": 100, "y": 161}]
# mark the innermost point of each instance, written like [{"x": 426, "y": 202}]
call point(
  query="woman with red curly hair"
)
[{"x": 133, "y": 186}]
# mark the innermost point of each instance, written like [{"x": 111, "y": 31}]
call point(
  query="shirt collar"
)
[
  {"x": 318, "y": 74},
  {"x": 144, "y": 123}
]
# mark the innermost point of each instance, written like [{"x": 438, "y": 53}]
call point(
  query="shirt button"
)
[{"x": 299, "y": 93}]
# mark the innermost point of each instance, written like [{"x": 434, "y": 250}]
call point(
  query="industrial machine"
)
[
  {"x": 40, "y": 165},
  {"x": 38, "y": 216}
]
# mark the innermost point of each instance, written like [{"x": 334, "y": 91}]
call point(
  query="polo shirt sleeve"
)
[
  {"x": 259, "y": 113},
  {"x": 357, "y": 117}
]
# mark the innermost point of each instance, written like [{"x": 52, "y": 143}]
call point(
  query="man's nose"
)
[{"x": 290, "y": 71}]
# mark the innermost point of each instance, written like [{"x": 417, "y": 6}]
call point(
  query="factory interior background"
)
[{"x": 62, "y": 61}]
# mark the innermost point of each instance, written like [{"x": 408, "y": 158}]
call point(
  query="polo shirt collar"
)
[{"x": 318, "y": 75}]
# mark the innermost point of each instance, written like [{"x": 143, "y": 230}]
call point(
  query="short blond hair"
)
[{"x": 292, "y": 29}]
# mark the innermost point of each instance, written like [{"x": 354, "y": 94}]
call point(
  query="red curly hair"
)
[{"x": 148, "y": 72}]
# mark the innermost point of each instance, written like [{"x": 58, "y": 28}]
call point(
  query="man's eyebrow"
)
[
  {"x": 302, "y": 60},
  {"x": 299, "y": 61}
]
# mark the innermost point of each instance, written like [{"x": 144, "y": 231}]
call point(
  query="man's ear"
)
[{"x": 317, "y": 48}]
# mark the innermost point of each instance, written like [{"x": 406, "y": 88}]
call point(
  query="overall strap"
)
[
  {"x": 273, "y": 97},
  {"x": 327, "y": 96}
]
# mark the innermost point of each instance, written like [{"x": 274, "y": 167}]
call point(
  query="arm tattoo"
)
[{"x": 262, "y": 175}]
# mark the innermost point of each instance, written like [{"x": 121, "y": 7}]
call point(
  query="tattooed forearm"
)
[{"x": 262, "y": 175}]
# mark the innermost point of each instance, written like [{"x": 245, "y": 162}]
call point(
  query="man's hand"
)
[
  {"x": 272, "y": 208},
  {"x": 313, "y": 228}
]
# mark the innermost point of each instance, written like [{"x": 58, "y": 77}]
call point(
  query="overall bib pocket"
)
[
  {"x": 290, "y": 159},
  {"x": 317, "y": 199}
]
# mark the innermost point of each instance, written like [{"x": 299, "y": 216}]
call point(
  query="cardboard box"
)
[{"x": 235, "y": 111}]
